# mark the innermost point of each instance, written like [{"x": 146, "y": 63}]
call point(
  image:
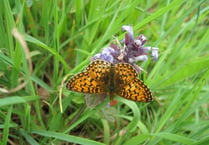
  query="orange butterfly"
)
[{"x": 102, "y": 77}]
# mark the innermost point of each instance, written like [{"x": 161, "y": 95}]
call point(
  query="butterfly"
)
[{"x": 102, "y": 77}]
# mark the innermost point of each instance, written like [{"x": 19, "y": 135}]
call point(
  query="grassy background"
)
[{"x": 61, "y": 37}]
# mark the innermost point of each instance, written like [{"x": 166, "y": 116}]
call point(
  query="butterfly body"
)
[{"x": 102, "y": 77}]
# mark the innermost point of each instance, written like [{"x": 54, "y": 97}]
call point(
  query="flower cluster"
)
[{"x": 133, "y": 50}]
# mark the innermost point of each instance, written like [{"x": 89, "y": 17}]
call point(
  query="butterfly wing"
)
[
  {"x": 135, "y": 90},
  {"x": 128, "y": 85},
  {"x": 83, "y": 83},
  {"x": 124, "y": 73},
  {"x": 99, "y": 70},
  {"x": 92, "y": 80}
]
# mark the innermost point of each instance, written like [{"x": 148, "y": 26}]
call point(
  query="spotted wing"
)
[
  {"x": 92, "y": 80},
  {"x": 128, "y": 86},
  {"x": 99, "y": 70},
  {"x": 135, "y": 90},
  {"x": 123, "y": 74}
]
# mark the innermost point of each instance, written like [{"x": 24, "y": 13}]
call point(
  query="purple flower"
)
[
  {"x": 133, "y": 50},
  {"x": 155, "y": 53},
  {"x": 108, "y": 54}
]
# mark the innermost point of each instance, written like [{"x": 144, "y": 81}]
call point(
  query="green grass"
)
[{"x": 63, "y": 35}]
